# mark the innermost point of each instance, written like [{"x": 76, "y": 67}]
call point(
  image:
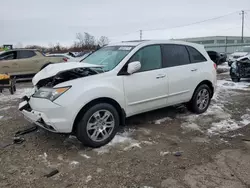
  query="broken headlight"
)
[{"x": 50, "y": 93}]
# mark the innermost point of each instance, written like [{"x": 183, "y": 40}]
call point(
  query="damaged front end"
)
[
  {"x": 67, "y": 75},
  {"x": 240, "y": 69}
]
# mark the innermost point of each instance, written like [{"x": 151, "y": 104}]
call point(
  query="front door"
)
[
  {"x": 146, "y": 89},
  {"x": 8, "y": 62}
]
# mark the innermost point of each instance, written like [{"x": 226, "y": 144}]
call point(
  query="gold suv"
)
[{"x": 24, "y": 61}]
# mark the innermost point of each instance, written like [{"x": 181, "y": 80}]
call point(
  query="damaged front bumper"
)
[{"x": 46, "y": 114}]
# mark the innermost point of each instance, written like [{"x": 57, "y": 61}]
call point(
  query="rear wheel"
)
[
  {"x": 235, "y": 79},
  {"x": 201, "y": 99},
  {"x": 98, "y": 125}
]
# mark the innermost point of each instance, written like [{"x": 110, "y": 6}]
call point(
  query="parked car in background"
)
[
  {"x": 92, "y": 98},
  {"x": 64, "y": 56},
  {"x": 25, "y": 61},
  {"x": 238, "y": 54},
  {"x": 217, "y": 58},
  {"x": 240, "y": 69},
  {"x": 223, "y": 57}
]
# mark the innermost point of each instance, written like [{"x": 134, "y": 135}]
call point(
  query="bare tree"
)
[
  {"x": 89, "y": 40},
  {"x": 103, "y": 41},
  {"x": 80, "y": 40}
]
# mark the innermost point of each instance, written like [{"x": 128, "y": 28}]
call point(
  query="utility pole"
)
[
  {"x": 242, "y": 25},
  {"x": 140, "y": 34}
]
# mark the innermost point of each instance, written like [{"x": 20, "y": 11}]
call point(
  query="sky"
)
[{"x": 47, "y": 22}]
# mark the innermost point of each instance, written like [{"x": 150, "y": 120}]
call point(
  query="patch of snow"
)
[
  {"x": 1, "y": 117},
  {"x": 84, "y": 155},
  {"x": 120, "y": 139},
  {"x": 160, "y": 121},
  {"x": 223, "y": 126},
  {"x": 89, "y": 178},
  {"x": 60, "y": 157},
  {"x": 74, "y": 164},
  {"x": 233, "y": 85},
  {"x": 6, "y": 96},
  {"x": 6, "y": 108},
  {"x": 131, "y": 146},
  {"x": 99, "y": 170},
  {"x": 147, "y": 142},
  {"x": 190, "y": 126},
  {"x": 163, "y": 153},
  {"x": 245, "y": 119}
]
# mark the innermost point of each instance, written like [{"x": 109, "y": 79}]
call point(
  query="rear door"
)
[
  {"x": 146, "y": 89},
  {"x": 25, "y": 61},
  {"x": 180, "y": 73}
]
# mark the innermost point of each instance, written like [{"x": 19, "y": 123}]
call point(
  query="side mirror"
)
[{"x": 133, "y": 67}]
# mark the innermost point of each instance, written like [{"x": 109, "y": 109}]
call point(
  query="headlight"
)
[{"x": 50, "y": 93}]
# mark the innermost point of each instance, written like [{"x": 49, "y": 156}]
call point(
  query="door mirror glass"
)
[{"x": 133, "y": 67}]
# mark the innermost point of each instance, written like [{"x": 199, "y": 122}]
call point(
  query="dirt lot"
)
[{"x": 166, "y": 148}]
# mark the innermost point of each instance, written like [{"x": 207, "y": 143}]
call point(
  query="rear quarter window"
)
[{"x": 195, "y": 55}]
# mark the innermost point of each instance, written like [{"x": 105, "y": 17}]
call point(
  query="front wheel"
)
[
  {"x": 98, "y": 126},
  {"x": 200, "y": 100}
]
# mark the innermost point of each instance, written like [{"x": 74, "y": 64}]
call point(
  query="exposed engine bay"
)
[
  {"x": 67, "y": 75},
  {"x": 240, "y": 69}
]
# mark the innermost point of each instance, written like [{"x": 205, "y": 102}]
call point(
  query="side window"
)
[
  {"x": 195, "y": 55},
  {"x": 174, "y": 55},
  {"x": 25, "y": 54},
  {"x": 149, "y": 56},
  {"x": 8, "y": 56}
]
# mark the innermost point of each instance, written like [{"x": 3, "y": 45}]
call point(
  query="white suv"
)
[{"x": 91, "y": 99}]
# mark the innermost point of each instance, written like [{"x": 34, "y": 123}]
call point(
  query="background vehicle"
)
[
  {"x": 238, "y": 54},
  {"x": 216, "y": 57},
  {"x": 93, "y": 98},
  {"x": 64, "y": 56},
  {"x": 240, "y": 69},
  {"x": 25, "y": 61}
]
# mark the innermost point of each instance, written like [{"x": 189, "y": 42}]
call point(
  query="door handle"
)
[
  {"x": 193, "y": 70},
  {"x": 160, "y": 76}
]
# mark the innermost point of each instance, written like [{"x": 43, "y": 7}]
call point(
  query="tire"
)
[
  {"x": 83, "y": 133},
  {"x": 193, "y": 105},
  {"x": 235, "y": 79},
  {"x": 45, "y": 66}
]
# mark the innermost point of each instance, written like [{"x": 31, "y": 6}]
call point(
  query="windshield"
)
[
  {"x": 245, "y": 49},
  {"x": 108, "y": 56}
]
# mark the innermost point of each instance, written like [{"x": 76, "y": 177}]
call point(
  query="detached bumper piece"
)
[{"x": 35, "y": 117}]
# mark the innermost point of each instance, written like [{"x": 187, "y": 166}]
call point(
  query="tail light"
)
[
  {"x": 215, "y": 66},
  {"x": 65, "y": 59}
]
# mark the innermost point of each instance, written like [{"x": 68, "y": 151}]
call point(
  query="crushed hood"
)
[
  {"x": 239, "y": 54},
  {"x": 53, "y": 69}
]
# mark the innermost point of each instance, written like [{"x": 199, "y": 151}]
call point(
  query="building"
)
[{"x": 227, "y": 44}]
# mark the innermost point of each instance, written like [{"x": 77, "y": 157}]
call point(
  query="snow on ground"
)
[
  {"x": 224, "y": 84},
  {"x": 1, "y": 117},
  {"x": 6, "y": 96},
  {"x": 123, "y": 140},
  {"x": 245, "y": 119},
  {"x": 223, "y": 126},
  {"x": 160, "y": 121},
  {"x": 221, "y": 121},
  {"x": 6, "y": 108}
]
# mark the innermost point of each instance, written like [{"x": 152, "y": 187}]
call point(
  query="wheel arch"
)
[
  {"x": 45, "y": 65},
  {"x": 120, "y": 110},
  {"x": 209, "y": 84}
]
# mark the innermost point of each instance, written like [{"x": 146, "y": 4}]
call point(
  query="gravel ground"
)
[{"x": 165, "y": 148}]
